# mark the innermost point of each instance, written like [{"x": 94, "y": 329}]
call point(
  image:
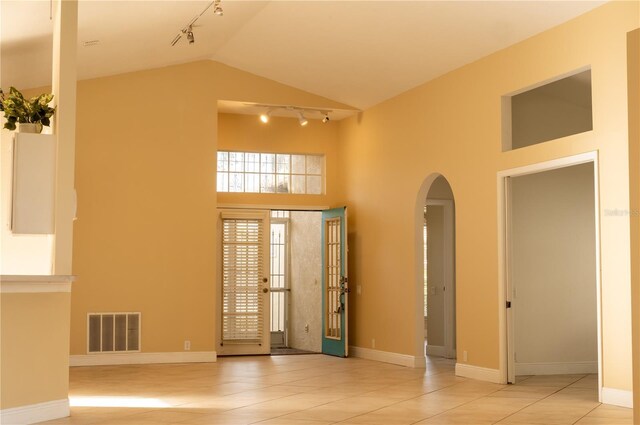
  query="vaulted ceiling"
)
[{"x": 355, "y": 52}]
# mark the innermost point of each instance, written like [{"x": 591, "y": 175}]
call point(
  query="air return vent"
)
[{"x": 113, "y": 332}]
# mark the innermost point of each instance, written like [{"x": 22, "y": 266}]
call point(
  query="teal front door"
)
[{"x": 335, "y": 283}]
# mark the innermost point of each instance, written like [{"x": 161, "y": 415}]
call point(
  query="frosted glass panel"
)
[
  {"x": 314, "y": 185},
  {"x": 252, "y": 172},
  {"x": 314, "y": 164},
  {"x": 297, "y": 164},
  {"x": 297, "y": 184}
]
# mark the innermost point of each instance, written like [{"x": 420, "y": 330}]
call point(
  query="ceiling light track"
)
[
  {"x": 187, "y": 30},
  {"x": 300, "y": 112}
]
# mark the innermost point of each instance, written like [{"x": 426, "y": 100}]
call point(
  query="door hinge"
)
[{"x": 508, "y": 304}]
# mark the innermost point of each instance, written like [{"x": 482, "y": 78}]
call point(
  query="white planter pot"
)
[{"x": 29, "y": 128}]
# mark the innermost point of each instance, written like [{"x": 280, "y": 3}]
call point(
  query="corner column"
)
[{"x": 64, "y": 80}]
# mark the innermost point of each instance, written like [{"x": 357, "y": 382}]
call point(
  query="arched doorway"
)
[{"x": 435, "y": 228}]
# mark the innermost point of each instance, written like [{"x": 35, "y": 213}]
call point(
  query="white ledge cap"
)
[{"x": 35, "y": 283}]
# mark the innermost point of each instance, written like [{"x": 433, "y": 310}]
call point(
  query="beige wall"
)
[
  {"x": 34, "y": 348},
  {"x": 306, "y": 280},
  {"x": 145, "y": 175},
  {"x": 633, "y": 74},
  {"x": 452, "y": 126},
  {"x": 281, "y": 135},
  {"x": 553, "y": 268}
]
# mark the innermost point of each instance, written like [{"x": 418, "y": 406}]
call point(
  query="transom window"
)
[{"x": 253, "y": 172}]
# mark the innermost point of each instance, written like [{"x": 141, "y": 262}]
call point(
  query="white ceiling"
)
[{"x": 355, "y": 52}]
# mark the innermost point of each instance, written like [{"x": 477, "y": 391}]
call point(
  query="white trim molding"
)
[
  {"x": 104, "y": 359},
  {"x": 616, "y": 397},
  {"x": 479, "y": 373},
  {"x": 18, "y": 284},
  {"x": 387, "y": 357},
  {"x": 506, "y": 346},
  {"x": 34, "y": 413},
  {"x": 557, "y": 368}
]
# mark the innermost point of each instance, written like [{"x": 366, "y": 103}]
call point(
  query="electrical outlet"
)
[
  {"x": 187, "y": 345},
  {"x": 373, "y": 343},
  {"x": 306, "y": 328},
  {"x": 464, "y": 356}
]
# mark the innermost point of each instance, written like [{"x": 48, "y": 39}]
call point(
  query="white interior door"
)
[{"x": 243, "y": 284}]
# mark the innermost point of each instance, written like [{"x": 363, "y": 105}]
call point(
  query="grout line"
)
[
  {"x": 363, "y": 394},
  {"x": 393, "y": 374},
  {"x": 582, "y": 417},
  {"x": 544, "y": 398}
]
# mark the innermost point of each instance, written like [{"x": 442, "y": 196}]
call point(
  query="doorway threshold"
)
[{"x": 289, "y": 351}]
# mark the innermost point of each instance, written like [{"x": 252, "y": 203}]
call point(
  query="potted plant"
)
[{"x": 29, "y": 115}]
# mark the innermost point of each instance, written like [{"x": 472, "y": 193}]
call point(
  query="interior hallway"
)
[{"x": 317, "y": 389}]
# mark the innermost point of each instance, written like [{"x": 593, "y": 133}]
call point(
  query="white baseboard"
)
[
  {"x": 142, "y": 358},
  {"x": 387, "y": 357},
  {"x": 436, "y": 350},
  {"x": 556, "y": 368},
  {"x": 622, "y": 398},
  {"x": 479, "y": 373},
  {"x": 33, "y": 413}
]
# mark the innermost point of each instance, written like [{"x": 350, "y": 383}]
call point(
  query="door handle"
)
[{"x": 265, "y": 290}]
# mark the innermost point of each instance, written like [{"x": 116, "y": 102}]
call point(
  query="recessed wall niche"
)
[{"x": 546, "y": 112}]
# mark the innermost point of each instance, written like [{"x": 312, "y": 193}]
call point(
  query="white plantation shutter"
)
[{"x": 243, "y": 270}]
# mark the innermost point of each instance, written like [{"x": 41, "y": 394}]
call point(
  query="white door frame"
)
[
  {"x": 287, "y": 278},
  {"x": 242, "y": 349},
  {"x": 448, "y": 269},
  {"x": 507, "y": 363}
]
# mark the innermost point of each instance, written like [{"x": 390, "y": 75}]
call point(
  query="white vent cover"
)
[{"x": 113, "y": 332}]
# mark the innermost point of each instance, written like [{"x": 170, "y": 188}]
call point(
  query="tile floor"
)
[{"x": 317, "y": 390}]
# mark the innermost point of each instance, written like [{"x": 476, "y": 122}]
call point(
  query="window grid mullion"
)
[{"x": 271, "y": 170}]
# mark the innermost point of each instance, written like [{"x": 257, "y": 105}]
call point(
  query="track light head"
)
[
  {"x": 190, "y": 36},
  {"x": 218, "y": 10},
  {"x": 325, "y": 119},
  {"x": 301, "y": 119},
  {"x": 265, "y": 117},
  {"x": 188, "y": 29}
]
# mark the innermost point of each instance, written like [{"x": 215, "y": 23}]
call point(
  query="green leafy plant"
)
[{"x": 17, "y": 109}]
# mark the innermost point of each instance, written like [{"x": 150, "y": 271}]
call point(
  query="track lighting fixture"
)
[
  {"x": 289, "y": 110},
  {"x": 217, "y": 10},
  {"x": 265, "y": 117},
  {"x": 190, "y": 36},
  {"x": 187, "y": 30}
]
